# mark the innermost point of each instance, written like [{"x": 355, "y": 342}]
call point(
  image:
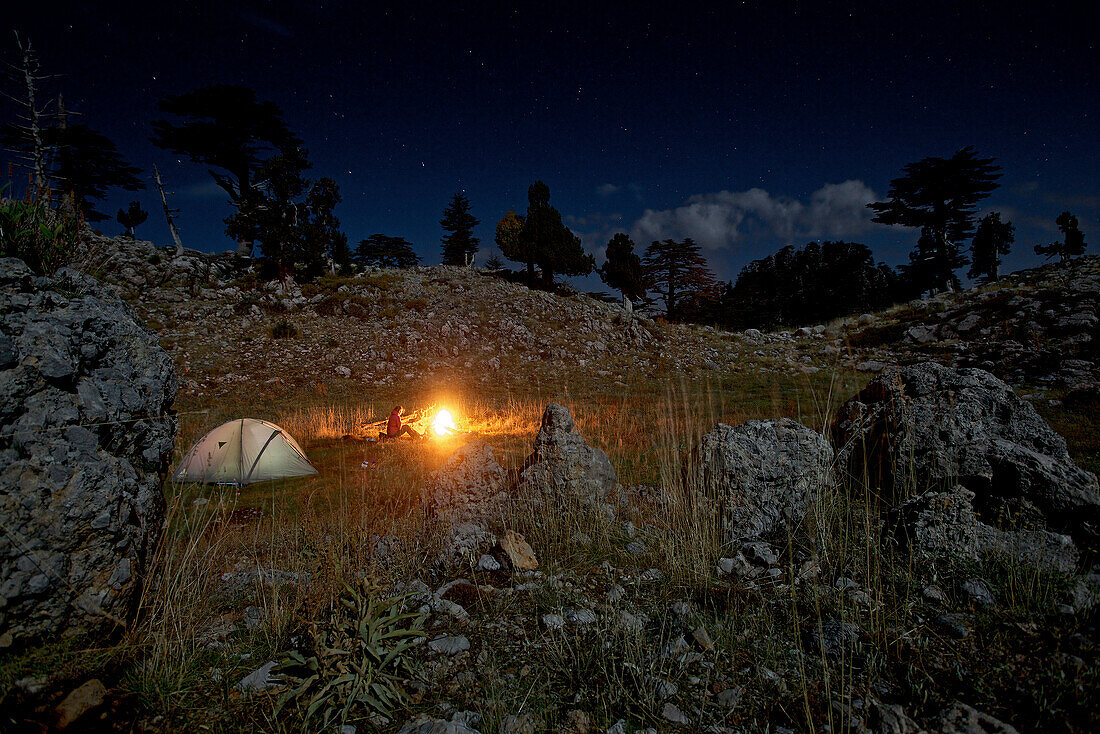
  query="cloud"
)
[
  {"x": 727, "y": 218},
  {"x": 607, "y": 189},
  {"x": 256, "y": 20},
  {"x": 204, "y": 190}
]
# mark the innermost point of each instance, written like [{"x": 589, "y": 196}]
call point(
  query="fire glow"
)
[{"x": 444, "y": 424}]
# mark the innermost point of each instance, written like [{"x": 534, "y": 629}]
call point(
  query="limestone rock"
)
[
  {"x": 519, "y": 552},
  {"x": 85, "y": 398},
  {"x": 563, "y": 465},
  {"x": 958, "y": 718},
  {"x": 765, "y": 474},
  {"x": 940, "y": 427},
  {"x": 79, "y": 702},
  {"x": 468, "y": 487}
]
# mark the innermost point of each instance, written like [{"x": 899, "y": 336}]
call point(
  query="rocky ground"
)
[{"x": 924, "y": 563}]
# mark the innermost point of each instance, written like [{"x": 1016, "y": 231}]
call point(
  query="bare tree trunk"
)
[
  {"x": 168, "y": 212},
  {"x": 38, "y": 155}
]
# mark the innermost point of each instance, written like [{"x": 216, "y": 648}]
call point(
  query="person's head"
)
[{"x": 399, "y": 409}]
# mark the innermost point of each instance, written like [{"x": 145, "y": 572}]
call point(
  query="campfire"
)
[{"x": 443, "y": 424}]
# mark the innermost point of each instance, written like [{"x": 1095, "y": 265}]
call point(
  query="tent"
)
[{"x": 241, "y": 452}]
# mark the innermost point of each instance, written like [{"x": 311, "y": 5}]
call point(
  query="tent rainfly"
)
[{"x": 241, "y": 452}]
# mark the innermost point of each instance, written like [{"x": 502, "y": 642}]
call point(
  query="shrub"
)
[
  {"x": 284, "y": 330},
  {"x": 39, "y": 236},
  {"x": 354, "y": 662}
]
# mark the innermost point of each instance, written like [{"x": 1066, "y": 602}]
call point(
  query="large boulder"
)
[
  {"x": 563, "y": 465},
  {"x": 470, "y": 487},
  {"x": 86, "y": 432},
  {"x": 927, "y": 427},
  {"x": 764, "y": 473}
]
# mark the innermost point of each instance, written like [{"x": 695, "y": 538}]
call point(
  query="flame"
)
[{"x": 443, "y": 423}]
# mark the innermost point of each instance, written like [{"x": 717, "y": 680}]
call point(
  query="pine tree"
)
[
  {"x": 227, "y": 128},
  {"x": 460, "y": 245},
  {"x": 940, "y": 197},
  {"x": 547, "y": 242},
  {"x": 132, "y": 217},
  {"x": 1072, "y": 244},
  {"x": 623, "y": 268},
  {"x": 87, "y": 164},
  {"x": 509, "y": 238},
  {"x": 678, "y": 272},
  {"x": 382, "y": 251},
  {"x": 992, "y": 239}
]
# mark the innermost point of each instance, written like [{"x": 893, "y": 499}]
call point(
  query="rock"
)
[
  {"x": 952, "y": 625},
  {"x": 487, "y": 563},
  {"x": 563, "y": 465},
  {"x": 977, "y": 591},
  {"x": 730, "y": 697},
  {"x": 934, "y": 595},
  {"x": 436, "y": 726},
  {"x": 521, "y": 724},
  {"x": 85, "y": 399},
  {"x": 553, "y": 621},
  {"x": 702, "y": 638},
  {"x": 581, "y": 617},
  {"x": 871, "y": 365},
  {"x": 938, "y": 525},
  {"x": 945, "y": 427},
  {"x": 834, "y": 638},
  {"x": 576, "y": 722},
  {"x": 470, "y": 487},
  {"x": 760, "y": 553},
  {"x": 79, "y": 702},
  {"x": 636, "y": 548},
  {"x": 260, "y": 679},
  {"x": 670, "y": 713},
  {"x": 921, "y": 334},
  {"x": 764, "y": 472},
  {"x": 890, "y": 719},
  {"x": 958, "y": 718},
  {"x": 614, "y": 594},
  {"x": 519, "y": 552},
  {"x": 449, "y": 645},
  {"x": 342, "y": 371}
]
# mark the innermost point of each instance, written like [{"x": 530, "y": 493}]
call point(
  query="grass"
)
[{"x": 324, "y": 528}]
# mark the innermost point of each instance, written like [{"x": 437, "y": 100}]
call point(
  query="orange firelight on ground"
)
[{"x": 444, "y": 423}]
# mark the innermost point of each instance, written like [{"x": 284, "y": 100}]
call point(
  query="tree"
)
[
  {"x": 131, "y": 217},
  {"x": 226, "y": 127},
  {"x": 291, "y": 217},
  {"x": 1073, "y": 242},
  {"x": 509, "y": 238},
  {"x": 86, "y": 165},
  {"x": 383, "y": 251},
  {"x": 548, "y": 242},
  {"x": 678, "y": 272},
  {"x": 992, "y": 239},
  {"x": 24, "y": 138},
  {"x": 623, "y": 268},
  {"x": 460, "y": 245},
  {"x": 168, "y": 211},
  {"x": 940, "y": 197}
]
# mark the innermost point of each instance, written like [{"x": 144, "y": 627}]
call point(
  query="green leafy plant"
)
[
  {"x": 355, "y": 660},
  {"x": 36, "y": 234}
]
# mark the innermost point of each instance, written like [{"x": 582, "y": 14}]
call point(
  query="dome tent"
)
[{"x": 243, "y": 451}]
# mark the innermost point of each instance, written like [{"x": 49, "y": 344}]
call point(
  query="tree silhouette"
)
[
  {"x": 291, "y": 217},
  {"x": 509, "y": 238},
  {"x": 940, "y": 196},
  {"x": 678, "y": 272},
  {"x": 86, "y": 165},
  {"x": 992, "y": 239},
  {"x": 132, "y": 217},
  {"x": 460, "y": 245},
  {"x": 547, "y": 242},
  {"x": 383, "y": 251},
  {"x": 225, "y": 127},
  {"x": 1073, "y": 242},
  {"x": 623, "y": 268}
]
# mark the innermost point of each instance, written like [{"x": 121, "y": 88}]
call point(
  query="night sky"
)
[{"x": 748, "y": 127}]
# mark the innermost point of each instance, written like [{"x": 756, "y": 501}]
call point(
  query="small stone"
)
[
  {"x": 952, "y": 626},
  {"x": 79, "y": 702},
  {"x": 933, "y": 594},
  {"x": 702, "y": 638},
  {"x": 636, "y": 548},
  {"x": 760, "y": 553},
  {"x": 958, "y": 718},
  {"x": 615, "y": 593},
  {"x": 576, "y": 722},
  {"x": 580, "y": 617},
  {"x": 449, "y": 645},
  {"x": 652, "y": 574},
  {"x": 488, "y": 563},
  {"x": 619, "y": 727},
  {"x": 730, "y": 697},
  {"x": 666, "y": 689},
  {"x": 260, "y": 679},
  {"x": 674, "y": 715},
  {"x": 553, "y": 621},
  {"x": 519, "y": 552},
  {"x": 977, "y": 591}
]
